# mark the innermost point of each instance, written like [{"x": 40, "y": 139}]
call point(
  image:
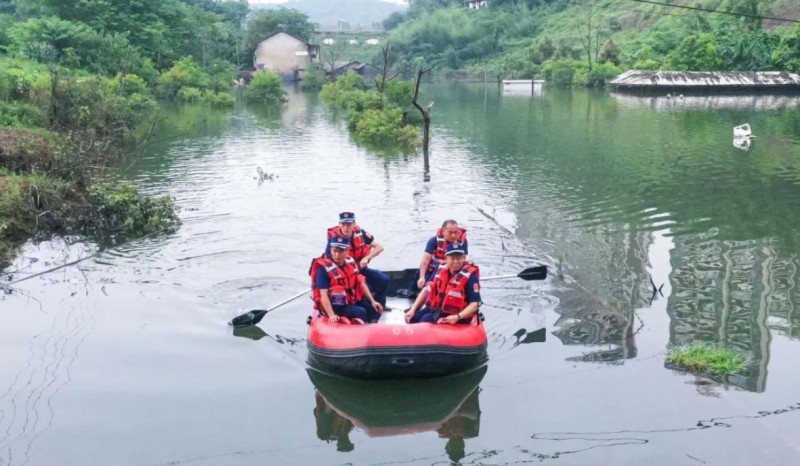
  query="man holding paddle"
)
[
  {"x": 363, "y": 248},
  {"x": 454, "y": 293},
  {"x": 339, "y": 289}
]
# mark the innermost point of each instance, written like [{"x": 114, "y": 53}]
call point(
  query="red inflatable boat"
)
[{"x": 392, "y": 349}]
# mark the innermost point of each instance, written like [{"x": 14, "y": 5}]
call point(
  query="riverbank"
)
[{"x": 46, "y": 192}]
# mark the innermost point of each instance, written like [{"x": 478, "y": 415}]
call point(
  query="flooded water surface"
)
[{"x": 658, "y": 228}]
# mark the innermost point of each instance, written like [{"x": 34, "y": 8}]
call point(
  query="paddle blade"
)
[
  {"x": 251, "y": 318},
  {"x": 534, "y": 273}
]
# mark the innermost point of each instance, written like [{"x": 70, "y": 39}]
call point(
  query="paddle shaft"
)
[
  {"x": 288, "y": 300},
  {"x": 498, "y": 277}
]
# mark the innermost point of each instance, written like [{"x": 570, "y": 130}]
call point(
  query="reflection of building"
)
[
  {"x": 285, "y": 54},
  {"x": 729, "y": 293},
  {"x": 587, "y": 320},
  {"x": 704, "y": 103}
]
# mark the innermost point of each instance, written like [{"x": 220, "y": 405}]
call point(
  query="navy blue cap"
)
[
  {"x": 456, "y": 248},
  {"x": 341, "y": 242},
  {"x": 347, "y": 217}
]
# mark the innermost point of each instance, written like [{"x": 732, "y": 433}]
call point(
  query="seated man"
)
[
  {"x": 363, "y": 248},
  {"x": 435, "y": 250},
  {"x": 454, "y": 292},
  {"x": 339, "y": 289}
]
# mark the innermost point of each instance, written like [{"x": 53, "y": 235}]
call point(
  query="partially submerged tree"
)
[{"x": 426, "y": 111}]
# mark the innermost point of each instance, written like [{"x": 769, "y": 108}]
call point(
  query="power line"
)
[
  {"x": 707, "y": 10},
  {"x": 609, "y": 7}
]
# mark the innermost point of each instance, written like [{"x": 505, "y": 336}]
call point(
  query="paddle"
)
[
  {"x": 531, "y": 273},
  {"x": 253, "y": 317}
]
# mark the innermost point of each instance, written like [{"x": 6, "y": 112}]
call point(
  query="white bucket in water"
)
[{"x": 742, "y": 131}]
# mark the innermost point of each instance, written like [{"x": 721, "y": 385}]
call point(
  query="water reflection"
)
[{"x": 448, "y": 406}]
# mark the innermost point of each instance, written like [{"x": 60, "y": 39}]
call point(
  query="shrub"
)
[
  {"x": 120, "y": 213},
  {"x": 184, "y": 73},
  {"x": 266, "y": 87},
  {"x": 601, "y": 74},
  {"x": 383, "y": 127},
  {"x": 20, "y": 114},
  {"x": 562, "y": 72},
  {"x": 314, "y": 78},
  {"x": 190, "y": 94},
  {"x": 219, "y": 99}
]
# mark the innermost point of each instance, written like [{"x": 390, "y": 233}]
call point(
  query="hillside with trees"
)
[
  {"x": 588, "y": 41},
  {"x": 344, "y": 15}
]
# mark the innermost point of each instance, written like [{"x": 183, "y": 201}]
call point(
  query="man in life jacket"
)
[
  {"x": 454, "y": 292},
  {"x": 435, "y": 250},
  {"x": 339, "y": 289},
  {"x": 363, "y": 248}
]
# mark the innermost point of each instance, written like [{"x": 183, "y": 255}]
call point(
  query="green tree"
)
[
  {"x": 698, "y": 52},
  {"x": 266, "y": 87},
  {"x": 272, "y": 21}
]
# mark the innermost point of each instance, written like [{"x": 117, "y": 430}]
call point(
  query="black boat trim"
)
[{"x": 394, "y": 350}]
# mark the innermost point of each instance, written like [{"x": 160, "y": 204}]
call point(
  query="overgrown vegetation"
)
[
  {"x": 265, "y": 87},
  {"x": 79, "y": 83},
  {"x": 568, "y": 43},
  {"x": 706, "y": 358},
  {"x": 79, "y": 86},
  {"x": 375, "y": 118}
]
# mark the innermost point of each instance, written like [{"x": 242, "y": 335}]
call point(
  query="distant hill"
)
[{"x": 345, "y": 15}]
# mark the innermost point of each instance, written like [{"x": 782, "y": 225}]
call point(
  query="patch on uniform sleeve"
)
[{"x": 476, "y": 287}]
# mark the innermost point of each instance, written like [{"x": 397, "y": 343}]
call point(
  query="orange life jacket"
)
[
  {"x": 449, "y": 294},
  {"x": 358, "y": 246},
  {"x": 346, "y": 282},
  {"x": 437, "y": 258}
]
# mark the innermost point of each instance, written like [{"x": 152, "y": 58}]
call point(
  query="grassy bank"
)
[{"x": 706, "y": 358}]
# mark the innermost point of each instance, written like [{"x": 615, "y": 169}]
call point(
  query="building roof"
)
[
  {"x": 689, "y": 79},
  {"x": 290, "y": 35}
]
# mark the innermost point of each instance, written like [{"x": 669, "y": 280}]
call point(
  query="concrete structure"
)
[
  {"x": 685, "y": 81},
  {"x": 285, "y": 54},
  {"x": 476, "y": 4},
  {"x": 523, "y": 87}
]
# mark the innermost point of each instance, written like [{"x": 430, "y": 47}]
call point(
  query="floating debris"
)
[{"x": 262, "y": 175}]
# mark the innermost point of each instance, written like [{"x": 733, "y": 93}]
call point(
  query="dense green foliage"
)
[
  {"x": 375, "y": 118},
  {"x": 565, "y": 41},
  {"x": 78, "y": 87},
  {"x": 161, "y": 31},
  {"x": 705, "y": 358},
  {"x": 266, "y": 87},
  {"x": 345, "y": 15},
  {"x": 314, "y": 78}
]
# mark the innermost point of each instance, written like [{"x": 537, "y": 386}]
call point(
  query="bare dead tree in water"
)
[
  {"x": 426, "y": 112},
  {"x": 386, "y": 51}
]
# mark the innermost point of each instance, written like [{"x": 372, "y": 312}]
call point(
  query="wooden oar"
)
[{"x": 253, "y": 317}]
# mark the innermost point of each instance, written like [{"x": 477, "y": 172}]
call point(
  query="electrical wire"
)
[{"x": 708, "y": 10}]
